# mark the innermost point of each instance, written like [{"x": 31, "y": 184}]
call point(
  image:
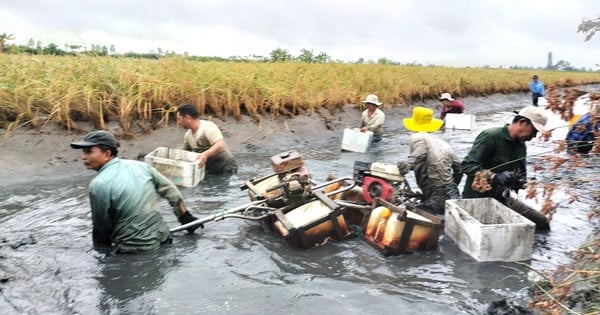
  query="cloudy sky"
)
[{"x": 438, "y": 32}]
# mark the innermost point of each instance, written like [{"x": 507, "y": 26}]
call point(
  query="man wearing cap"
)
[
  {"x": 536, "y": 87},
  {"x": 437, "y": 168},
  {"x": 123, "y": 198},
  {"x": 204, "y": 137},
  {"x": 450, "y": 105},
  {"x": 502, "y": 151},
  {"x": 372, "y": 118}
]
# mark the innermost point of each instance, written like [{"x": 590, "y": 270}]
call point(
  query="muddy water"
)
[{"x": 234, "y": 266}]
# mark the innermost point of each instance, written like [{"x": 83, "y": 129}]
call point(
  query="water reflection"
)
[{"x": 128, "y": 281}]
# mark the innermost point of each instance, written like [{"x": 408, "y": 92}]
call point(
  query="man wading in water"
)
[
  {"x": 123, "y": 197},
  {"x": 372, "y": 118},
  {"x": 204, "y": 137}
]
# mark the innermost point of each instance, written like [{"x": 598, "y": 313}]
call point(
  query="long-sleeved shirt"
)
[
  {"x": 437, "y": 168},
  {"x": 537, "y": 87},
  {"x": 373, "y": 123},
  {"x": 205, "y": 137},
  {"x": 123, "y": 199},
  {"x": 493, "y": 147}
]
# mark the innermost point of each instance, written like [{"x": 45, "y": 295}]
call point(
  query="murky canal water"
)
[{"x": 235, "y": 266}]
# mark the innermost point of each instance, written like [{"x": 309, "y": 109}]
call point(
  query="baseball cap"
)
[
  {"x": 536, "y": 115},
  {"x": 99, "y": 137}
]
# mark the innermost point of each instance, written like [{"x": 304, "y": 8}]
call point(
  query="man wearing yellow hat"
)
[{"x": 437, "y": 168}]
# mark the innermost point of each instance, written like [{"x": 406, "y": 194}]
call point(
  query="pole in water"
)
[{"x": 540, "y": 220}]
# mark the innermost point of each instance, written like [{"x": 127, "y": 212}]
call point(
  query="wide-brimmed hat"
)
[
  {"x": 536, "y": 115},
  {"x": 372, "y": 99},
  {"x": 446, "y": 96},
  {"x": 99, "y": 137},
  {"x": 422, "y": 120}
]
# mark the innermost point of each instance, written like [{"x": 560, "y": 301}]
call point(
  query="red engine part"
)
[{"x": 374, "y": 187}]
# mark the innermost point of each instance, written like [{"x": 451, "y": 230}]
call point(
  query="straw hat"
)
[
  {"x": 446, "y": 96},
  {"x": 372, "y": 99},
  {"x": 422, "y": 120}
]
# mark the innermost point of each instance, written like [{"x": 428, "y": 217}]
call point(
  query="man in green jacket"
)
[
  {"x": 502, "y": 151},
  {"x": 123, "y": 198}
]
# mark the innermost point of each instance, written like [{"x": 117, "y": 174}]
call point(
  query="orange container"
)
[
  {"x": 394, "y": 230},
  {"x": 311, "y": 224}
]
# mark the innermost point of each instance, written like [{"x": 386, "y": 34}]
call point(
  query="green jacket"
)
[
  {"x": 123, "y": 199},
  {"x": 491, "y": 148}
]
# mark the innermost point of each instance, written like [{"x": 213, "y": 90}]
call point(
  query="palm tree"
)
[{"x": 3, "y": 39}]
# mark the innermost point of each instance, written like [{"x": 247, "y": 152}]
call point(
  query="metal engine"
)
[{"x": 381, "y": 180}]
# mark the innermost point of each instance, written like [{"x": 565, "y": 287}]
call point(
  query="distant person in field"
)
[
  {"x": 450, "y": 105},
  {"x": 372, "y": 118},
  {"x": 204, "y": 137},
  {"x": 536, "y": 86}
]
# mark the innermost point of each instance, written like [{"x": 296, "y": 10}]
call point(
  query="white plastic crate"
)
[
  {"x": 487, "y": 230},
  {"x": 459, "y": 121},
  {"x": 356, "y": 141},
  {"x": 178, "y": 165}
]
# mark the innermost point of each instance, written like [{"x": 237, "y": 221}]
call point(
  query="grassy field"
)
[{"x": 35, "y": 90}]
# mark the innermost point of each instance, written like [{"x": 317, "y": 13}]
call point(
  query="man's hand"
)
[
  {"x": 507, "y": 179},
  {"x": 201, "y": 159},
  {"x": 404, "y": 167},
  {"x": 363, "y": 129},
  {"x": 187, "y": 218}
]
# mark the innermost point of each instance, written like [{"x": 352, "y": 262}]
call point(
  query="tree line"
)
[{"x": 588, "y": 27}]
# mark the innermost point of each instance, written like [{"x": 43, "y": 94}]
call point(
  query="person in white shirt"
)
[{"x": 373, "y": 118}]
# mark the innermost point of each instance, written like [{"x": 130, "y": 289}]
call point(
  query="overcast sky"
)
[{"x": 438, "y": 32}]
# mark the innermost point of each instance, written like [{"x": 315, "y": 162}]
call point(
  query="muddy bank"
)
[{"x": 28, "y": 154}]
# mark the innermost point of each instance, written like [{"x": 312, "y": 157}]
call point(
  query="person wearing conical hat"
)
[
  {"x": 372, "y": 118},
  {"x": 436, "y": 167}
]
